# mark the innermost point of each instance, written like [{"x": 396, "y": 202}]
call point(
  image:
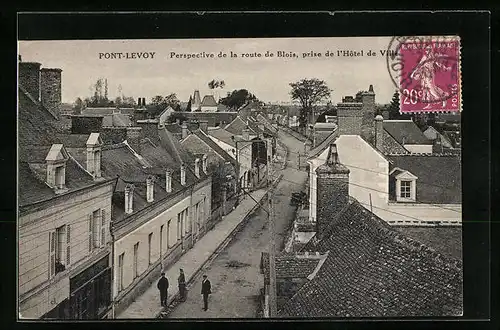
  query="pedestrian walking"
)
[
  {"x": 182, "y": 285},
  {"x": 205, "y": 291},
  {"x": 163, "y": 287}
]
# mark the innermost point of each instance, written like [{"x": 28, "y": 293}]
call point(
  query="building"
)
[
  {"x": 208, "y": 104},
  {"x": 356, "y": 265},
  {"x": 64, "y": 210},
  {"x": 372, "y": 170}
]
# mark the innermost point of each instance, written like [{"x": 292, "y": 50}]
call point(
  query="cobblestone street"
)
[{"x": 235, "y": 273}]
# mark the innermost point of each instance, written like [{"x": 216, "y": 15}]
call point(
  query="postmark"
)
[{"x": 426, "y": 71}]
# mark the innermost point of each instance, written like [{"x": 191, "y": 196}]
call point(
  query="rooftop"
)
[
  {"x": 405, "y": 132},
  {"x": 374, "y": 271},
  {"x": 208, "y": 101}
]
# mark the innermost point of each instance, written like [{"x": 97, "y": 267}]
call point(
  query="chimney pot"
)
[
  {"x": 129, "y": 199},
  {"x": 197, "y": 167},
  {"x": 150, "y": 189},
  {"x": 168, "y": 181},
  {"x": 184, "y": 130},
  {"x": 379, "y": 132},
  {"x": 204, "y": 163},
  {"x": 183, "y": 174}
]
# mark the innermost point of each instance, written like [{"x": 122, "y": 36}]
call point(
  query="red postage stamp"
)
[{"x": 430, "y": 75}]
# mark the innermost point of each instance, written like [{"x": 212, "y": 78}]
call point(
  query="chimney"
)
[
  {"x": 129, "y": 198},
  {"x": 139, "y": 102},
  {"x": 349, "y": 116},
  {"x": 368, "y": 100},
  {"x": 134, "y": 138},
  {"x": 332, "y": 190},
  {"x": 379, "y": 132},
  {"x": 197, "y": 167},
  {"x": 183, "y": 174},
  {"x": 29, "y": 78},
  {"x": 246, "y": 134},
  {"x": 204, "y": 164},
  {"x": 168, "y": 181},
  {"x": 143, "y": 101},
  {"x": 204, "y": 126},
  {"x": 50, "y": 90},
  {"x": 150, "y": 189},
  {"x": 437, "y": 148},
  {"x": 184, "y": 130},
  {"x": 94, "y": 144}
]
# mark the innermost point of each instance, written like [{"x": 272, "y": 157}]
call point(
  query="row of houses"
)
[
  {"x": 346, "y": 258},
  {"x": 109, "y": 201}
]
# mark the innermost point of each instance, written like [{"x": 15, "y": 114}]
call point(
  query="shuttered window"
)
[
  {"x": 52, "y": 254},
  {"x": 91, "y": 239},
  {"x": 103, "y": 228},
  {"x": 68, "y": 245}
]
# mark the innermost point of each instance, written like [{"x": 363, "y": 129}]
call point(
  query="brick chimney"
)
[
  {"x": 134, "y": 138},
  {"x": 184, "y": 130},
  {"x": 50, "y": 90},
  {"x": 204, "y": 126},
  {"x": 168, "y": 181},
  {"x": 379, "y": 132},
  {"x": 332, "y": 190},
  {"x": 129, "y": 199},
  {"x": 143, "y": 101},
  {"x": 139, "y": 102},
  {"x": 150, "y": 189},
  {"x": 437, "y": 147},
  {"x": 29, "y": 78},
  {"x": 350, "y": 116}
]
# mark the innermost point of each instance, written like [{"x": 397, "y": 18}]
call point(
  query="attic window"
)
[{"x": 406, "y": 189}]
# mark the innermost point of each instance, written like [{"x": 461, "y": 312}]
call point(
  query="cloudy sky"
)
[{"x": 267, "y": 78}]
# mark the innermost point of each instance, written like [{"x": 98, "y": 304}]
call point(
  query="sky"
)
[{"x": 267, "y": 78}]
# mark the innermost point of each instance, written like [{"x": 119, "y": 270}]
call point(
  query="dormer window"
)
[
  {"x": 406, "y": 185},
  {"x": 150, "y": 189},
  {"x": 56, "y": 167},
  {"x": 94, "y": 144},
  {"x": 204, "y": 164},
  {"x": 129, "y": 199},
  {"x": 183, "y": 174}
]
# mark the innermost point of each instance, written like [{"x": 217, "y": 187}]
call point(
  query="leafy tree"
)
[
  {"x": 188, "y": 107},
  {"x": 159, "y": 103},
  {"x": 174, "y": 116},
  {"x": 309, "y": 92},
  {"x": 237, "y": 98},
  {"x": 223, "y": 176},
  {"x": 78, "y": 105},
  {"x": 215, "y": 84}
]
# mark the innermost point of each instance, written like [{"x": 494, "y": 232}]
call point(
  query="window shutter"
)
[
  {"x": 91, "y": 242},
  {"x": 103, "y": 228},
  {"x": 52, "y": 254},
  {"x": 68, "y": 245}
]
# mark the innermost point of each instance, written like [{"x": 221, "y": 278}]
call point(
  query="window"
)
[
  {"x": 161, "y": 240},
  {"x": 59, "y": 177},
  {"x": 405, "y": 189},
  {"x": 97, "y": 233},
  {"x": 168, "y": 233},
  {"x": 103, "y": 227},
  {"x": 59, "y": 250},
  {"x": 179, "y": 226},
  {"x": 150, "y": 252},
  {"x": 121, "y": 258},
  {"x": 136, "y": 252}
]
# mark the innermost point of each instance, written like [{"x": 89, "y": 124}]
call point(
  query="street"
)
[{"x": 235, "y": 273}]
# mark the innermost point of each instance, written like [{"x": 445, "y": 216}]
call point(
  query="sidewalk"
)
[{"x": 148, "y": 305}]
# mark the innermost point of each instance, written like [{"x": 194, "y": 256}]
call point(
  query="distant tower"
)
[{"x": 196, "y": 105}]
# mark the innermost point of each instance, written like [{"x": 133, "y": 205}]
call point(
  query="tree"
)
[
  {"x": 394, "y": 108},
  {"x": 78, "y": 105},
  {"x": 309, "y": 92},
  {"x": 214, "y": 84},
  {"x": 188, "y": 106},
  {"x": 174, "y": 116},
  {"x": 159, "y": 103},
  {"x": 237, "y": 98},
  {"x": 223, "y": 176}
]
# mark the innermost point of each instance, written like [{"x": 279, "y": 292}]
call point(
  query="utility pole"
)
[{"x": 272, "y": 249}]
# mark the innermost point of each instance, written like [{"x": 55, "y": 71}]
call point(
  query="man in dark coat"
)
[
  {"x": 182, "y": 285},
  {"x": 163, "y": 287},
  {"x": 205, "y": 291}
]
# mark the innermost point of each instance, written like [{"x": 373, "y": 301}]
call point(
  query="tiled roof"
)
[
  {"x": 225, "y": 136},
  {"x": 214, "y": 146},
  {"x": 208, "y": 101},
  {"x": 439, "y": 176},
  {"x": 290, "y": 265},
  {"x": 237, "y": 126},
  {"x": 373, "y": 271},
  {"x": 405, "y": 130},
  {"x": 116, "y": 120},
  {"x": 222, "y": 108},
  {"x": 261, "y": 118}
]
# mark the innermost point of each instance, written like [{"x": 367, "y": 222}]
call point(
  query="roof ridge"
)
[{"x": 426, "y": 154}]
